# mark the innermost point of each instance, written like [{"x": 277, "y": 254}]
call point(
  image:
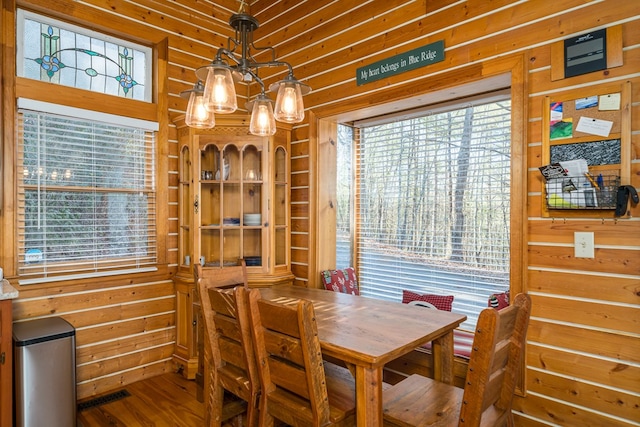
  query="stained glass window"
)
[{"x": 57, "y": 52}]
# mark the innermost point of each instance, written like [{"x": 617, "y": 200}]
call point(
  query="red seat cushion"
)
[
  {"x": 441, "y": 302},
  {"x": 343, "y": 281}
]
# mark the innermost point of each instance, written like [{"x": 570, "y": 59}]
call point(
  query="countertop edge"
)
[{"x": 7, "y": 291}]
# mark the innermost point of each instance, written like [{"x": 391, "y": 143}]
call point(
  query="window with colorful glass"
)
[{"x": 57, "y": 52}]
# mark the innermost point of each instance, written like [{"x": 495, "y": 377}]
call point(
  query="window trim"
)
[{"x": 81, "y": 113}]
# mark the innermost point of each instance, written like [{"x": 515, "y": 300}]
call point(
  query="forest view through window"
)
[{"x": 433, "y": 194}]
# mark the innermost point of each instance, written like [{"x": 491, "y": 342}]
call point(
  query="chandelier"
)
[{"x": 236, "y": 64}]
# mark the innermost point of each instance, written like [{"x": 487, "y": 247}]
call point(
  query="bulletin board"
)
[{"x": 591, "y": 126}]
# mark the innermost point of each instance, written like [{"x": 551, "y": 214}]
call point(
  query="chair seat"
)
[{"x": 405, "y": 405}]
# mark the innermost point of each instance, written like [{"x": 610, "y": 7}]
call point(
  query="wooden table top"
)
[{"x": 367, "y": 331}]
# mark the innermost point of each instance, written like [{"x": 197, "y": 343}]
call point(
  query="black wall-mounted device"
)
[
  {"x": 624, "y": 192},
  {"x": 585, "y": 53}
]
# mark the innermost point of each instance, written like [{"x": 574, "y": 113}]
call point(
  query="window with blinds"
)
[
  {"x": 86, "y": 196},
  {"x": 433, "y": 194}
]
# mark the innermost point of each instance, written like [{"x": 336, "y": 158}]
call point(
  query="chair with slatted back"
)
[
  {"x": 486, "y": 399},
  {"x": 298, "y": 387},
  {"x": 231, "y": 377}
]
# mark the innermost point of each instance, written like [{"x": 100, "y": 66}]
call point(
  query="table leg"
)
[
  {"x": 369, "y": 396},
  {"x": 442, "y": 348}
]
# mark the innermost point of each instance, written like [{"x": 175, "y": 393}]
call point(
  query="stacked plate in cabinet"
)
[{"x": 252, "y": 219}]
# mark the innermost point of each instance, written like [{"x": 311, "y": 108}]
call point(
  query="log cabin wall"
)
[{"x": 583, "y": 348}]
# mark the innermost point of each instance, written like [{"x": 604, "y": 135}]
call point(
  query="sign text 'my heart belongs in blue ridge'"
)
[{"x": 400, "y": 63}]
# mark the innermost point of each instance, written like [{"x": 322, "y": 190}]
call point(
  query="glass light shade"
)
[
  {"x": 262, "y": 121},
  {"x": 219, "y": 90},
  {"x": 197, "y": 115},
  {"x": 289, "y": 106}
]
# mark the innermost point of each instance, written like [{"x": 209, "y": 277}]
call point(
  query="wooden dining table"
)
[{"x": 366, "y": 333}]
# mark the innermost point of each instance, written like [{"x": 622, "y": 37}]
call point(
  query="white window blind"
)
[
  {"x": 433, "y": 196},
  {"x": 86, "y": 197}
]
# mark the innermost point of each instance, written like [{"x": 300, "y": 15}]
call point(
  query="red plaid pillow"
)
[
  {"x": 441, "y": 302},
  {"x": 343, "y": 281}
]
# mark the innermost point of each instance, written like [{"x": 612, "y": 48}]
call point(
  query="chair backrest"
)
[
  {"x": 290, "y": 360},
  {"x": 228, "y": 343},
  {"x": 223, "y": 277},
  {"x": 494, "y": 364}
]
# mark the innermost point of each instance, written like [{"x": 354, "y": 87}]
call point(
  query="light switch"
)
[{"x": 583, "y": 244}]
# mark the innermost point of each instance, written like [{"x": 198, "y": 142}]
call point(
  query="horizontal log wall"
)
[
  {"x": 125, "y": 329},
  {"x": 583, "y": 349}
]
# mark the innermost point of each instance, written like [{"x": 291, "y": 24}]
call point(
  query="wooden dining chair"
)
[
  {"x": 496, "y": 355},
  {"x": 298, "y": 387},
  {"x": 231, "y": 375}
]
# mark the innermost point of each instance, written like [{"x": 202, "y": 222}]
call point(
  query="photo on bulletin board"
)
[{"x": 561, "y": 127}]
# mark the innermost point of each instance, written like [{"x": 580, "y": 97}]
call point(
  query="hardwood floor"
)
[{"x": 167, "y": 400}]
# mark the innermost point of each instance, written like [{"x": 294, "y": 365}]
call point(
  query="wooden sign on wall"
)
[{"x": 397, "y": 64}]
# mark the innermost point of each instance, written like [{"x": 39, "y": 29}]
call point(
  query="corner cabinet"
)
[{"x": 234, "y": 198}]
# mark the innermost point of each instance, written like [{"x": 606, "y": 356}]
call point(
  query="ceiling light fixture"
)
[{"x": 218, "y": 94}]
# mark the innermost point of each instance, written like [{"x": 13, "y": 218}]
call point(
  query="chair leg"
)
[
  {"x": 266, "y": 419},
  {"x": 252, "y": 414},
  {"x": 217, "y": 403}
]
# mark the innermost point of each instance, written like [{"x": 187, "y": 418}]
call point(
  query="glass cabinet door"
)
[
  {"x": 231, "y": 173},
  {"x": 209, "y": 205},
  {"x": 252, "y": 206},
  {"x": 185, "y": 215},
  {"x": 280, "y": 206},
  {"x": 232, "y": 206}
]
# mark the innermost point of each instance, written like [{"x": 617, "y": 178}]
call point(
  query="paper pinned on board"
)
[
  {"x": 594, "y": 126},
  {"x": 610, "y": 102}
]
